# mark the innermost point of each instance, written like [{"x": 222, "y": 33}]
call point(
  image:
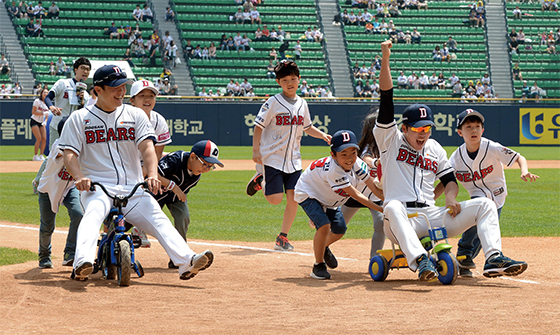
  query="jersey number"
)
[{"x": 318, "y": 163}]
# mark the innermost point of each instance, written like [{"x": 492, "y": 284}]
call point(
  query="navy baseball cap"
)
[
  {"x": 466, "y": 113},
  {"x": 343, "y": 139},
  {"x": 110, "y": 75},
  {"x": 208, "y": 151},
  {"x": 418, "y": 115}
]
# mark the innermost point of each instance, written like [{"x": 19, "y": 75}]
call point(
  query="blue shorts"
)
[
  {"x": 320, "y": 217},
  {"x": 278, "y": 181}
]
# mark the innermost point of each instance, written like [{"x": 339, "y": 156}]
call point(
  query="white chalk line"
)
[{"x": 233, "y": 246}]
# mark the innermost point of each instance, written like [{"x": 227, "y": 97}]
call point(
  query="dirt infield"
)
[
  {"x": 230, "y": 164},
  {"x": 251, "y": 289}
]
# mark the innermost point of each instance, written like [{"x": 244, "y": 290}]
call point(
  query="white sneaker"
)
[
  {"x": 199, "y": 262},
  {"x": 37, "y": 159},
  {"x": 42, "y": 157},
  {"x": 143, "y": 236}
]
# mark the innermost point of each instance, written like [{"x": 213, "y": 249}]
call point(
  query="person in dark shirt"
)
[{"x": 180, "y": 171}]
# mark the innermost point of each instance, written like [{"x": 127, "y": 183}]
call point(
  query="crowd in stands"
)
[{"x": 24, "y": 10}]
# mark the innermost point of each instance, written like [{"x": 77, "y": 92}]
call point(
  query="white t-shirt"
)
[
  {"x": 484, "y": 176},
  {"x": 324, "y": 180},
  {"x": 41, "y": 107},
  {"x": 283, "y": 125},
  {"x": 56, "y": 181},
  {"x": 65, "y": 97},
  {"x": 107, "y": 143}
]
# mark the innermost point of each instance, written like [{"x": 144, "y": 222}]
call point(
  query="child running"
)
[
  {"x": 326, "y": 185},
  {"x": 369, "y": 153},
  {"x": 279, "y": 127}
]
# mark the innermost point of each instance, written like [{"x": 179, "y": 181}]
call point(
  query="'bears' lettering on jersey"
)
[
  {"x": 65, "y": 95},
  {"x": 287, "y": 120},
  {"x": 64, "y": 175},
  {"x": 413, "y": 159},
  {"x": 466, "y": 176},
  {"x": 99, "y": 135}
]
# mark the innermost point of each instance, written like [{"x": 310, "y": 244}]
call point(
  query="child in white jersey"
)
[
  {"x": 279, "y": 127},
  {"x": 326, "y": 185},
  {"x": 478, "y": 165}
]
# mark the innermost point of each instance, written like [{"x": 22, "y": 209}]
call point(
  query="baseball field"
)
[{"x": 252, "y": 289}]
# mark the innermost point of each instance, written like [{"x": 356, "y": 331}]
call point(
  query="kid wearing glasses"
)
[
  {"x": 179, "y": 172},
  {"x": 411, "y": 164}
]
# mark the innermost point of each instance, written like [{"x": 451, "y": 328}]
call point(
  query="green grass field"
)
[
  {"x": 25, "y": 153},
  {"x": 220, "y": 209}
]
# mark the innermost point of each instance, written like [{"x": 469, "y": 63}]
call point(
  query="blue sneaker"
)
[
  {"x": 426, "y": 269},
  {"x": 498, "y": 265}
]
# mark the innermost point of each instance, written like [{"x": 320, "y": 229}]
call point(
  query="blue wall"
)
[{"x": 232, "y": 123}]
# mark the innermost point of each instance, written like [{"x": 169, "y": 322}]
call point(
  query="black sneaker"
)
[
  {"x": 172, "y": 265},
  {"x": 283, "y": 244},
  {"x": 45, "y": 263},
  {"x": 255, "y": 184},
  {"x": 467, "y": 263},
  {"x": 68, "y": 260},
  {"x": 465, "y": 273},
  {"x": 82, "y": 272},
  {"x": 329, "y": 258},
  {"x": 320, "y": 271},
  {"x": 499, "y": 265}
]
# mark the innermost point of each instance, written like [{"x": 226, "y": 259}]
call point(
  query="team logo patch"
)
[
  {"x": 163, "y": 137},
  {"x": 265, "y": 107},
  {"x": 87, "y": 121},
  {"x": 507, "y": 151}
]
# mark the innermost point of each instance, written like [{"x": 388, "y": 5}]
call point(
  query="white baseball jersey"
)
[
  {"x": 65, "y": 97},
  {"x": 161, "y": 129},
  {"x": 409, "y": 175},
  {"x": 362, "y": 187},
  {"x": 56, "y": 181},
  {"x": 324, "y": 181},
  {"x": 484, "y": 176},
  {"x": 107, "y": 143},
  {"x": 283, "y": 125}
]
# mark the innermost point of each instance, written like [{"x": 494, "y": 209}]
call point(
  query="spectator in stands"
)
[
  {"x": 359, "y": 89},
  {"x": 281, "y": 34},
  {"x": 39, "y": 11},
  {"x": 52, "y": 69},
  {"x": 356, "y": 70},
  {"x": 433, "y": 81},
  {"x": 551, "y": 49},
  {"x": 453, "y": 80},
  {"x": 517, "y": 72},
  {"x": 393, "y": 10},
  {"x": 525, "y": 89},
  {"x": 273, "y": 54},
  {"x": 365, "y": 93},
  {"x": 245, "y": 43},
  {"x": 258, "y": 35},
  {"x": 363, "y": 74},
  {"x": 517, "y": 13},
  {"x": 37, "y": 30},
  {"x": 112, "y": 31},
  {"x": 485, "y": 79},
  {"x": 304, "y": 89},
  {"x": 273, "y": 35},
  {"x": 237, "y": 41},
  {"x": 371, "y": 71},
  {"x": 22, "y": 10},
  {"x": 128, "y": 58},
  {"x": 282, "y": 49},
  {"x": 436, "y": 54},
  {"x": 445, "y": 55},
  {"x": 308, "y": 34},
  {"x": 479, "y": 88},
  {"x": 513, "y": 33},
  {"x": 237, "y": 89},
  {"x": 345, "y": 17},
  {"x": 452, "y": 44},
  {"x": 377, "y": 62},
  {"x": 169, "y": 14},
  {"x": 13, "y": 10},
  {"x": 38, "y": 86},
  {"x": 212, "y": 51},
  {"x": 413, "y": 81},
  {"x": 189, "y": 50},
  {"x": 402, "y": 81},
  {"x": 53, "y": 11},
  {"x": 369, "y": 28},
  {"x": 415, "y": 36},
  {"x": 550, "y": 37},
  {"x": 4, "y": 65},
  {"x": 247, "y": 15},
  {"x": 137, "y": 49},
  {"x": 547, "y": 5},
  {"x": 441, "y": 81},
  {"x": 367, "y": 16},
  {"x": 171, "y": 54},
  {"x": 197, "y": 52},
  {"x": 471, "y": 87},
  {"x": 376, "y": 26},
  {"x": 317, "y": 35},
  {"x": 423, "y": 81},
  {"x": 61, "y": 68},
  {"x": 513, "y": 46},
  {"x": 147, "y": 14},
  {"x": 16, "y": 89},
  {"x": 29, "y": 10},
  {"x": 167, "y": 89},
  {"x": 457, "y": 89},
  {"x": 230, "y": 43},
  {"x": 521, "y": 37},
  {"x": 473, "y": 18},
  {"x": 352, "y": 18},
  {"x": 239, "y": 16},
  {"x": 265, "y": 32},
  {"x": 245, "y": 87},
  {"x": 359, "y": 20},
  {"x": 535, "y": 91},
  {"x": 297, "y": 50},
  {"x": 270, "y": 74},
  {"x": 383, "y": 27},
  {"x": 201, "y": 94},
  {"x": 137, "y": 13},
  {"x": 408, "y": 37},
  {"x": 205, "y": 53},
  {"x": 255, "y": 16},
  {"x": 422, "y": 4},
  {"x": 166, "y": 73},
  {"x": 120, "y": 31},
  {"x": 223, "y": 42},
  {"x": 230, "y": 87}
]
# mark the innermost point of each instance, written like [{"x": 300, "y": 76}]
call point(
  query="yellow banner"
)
[{"x": 539, "y": 126}]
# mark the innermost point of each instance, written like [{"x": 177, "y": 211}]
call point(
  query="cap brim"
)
[
  {"x": 420, "y": 123},
  {"x": 346, "y": 146},
  {"x": 213, "y": 160},
  {"x": 475, "y": 113},
  {"x": 153, "y": 89},
  {"x": 117, "y": 82}
]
